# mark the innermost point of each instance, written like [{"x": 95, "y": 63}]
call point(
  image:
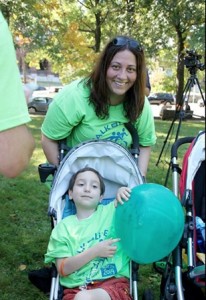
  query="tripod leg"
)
[
  {"x": 187, "y": 88},
  {"x": 167, "y": 175},
  {"x": 176, "y": 137},
  {"x": 186, "y": 92},
  {"x": 165, "y": 141},
  {"x": 201, "y": 93},
  {"x": 179, "y": 125}
]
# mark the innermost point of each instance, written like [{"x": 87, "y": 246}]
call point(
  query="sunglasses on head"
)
[{"x": 123, "y": 41}]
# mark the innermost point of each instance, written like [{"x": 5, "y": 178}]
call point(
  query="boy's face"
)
[{"x": 86, "y": 190}]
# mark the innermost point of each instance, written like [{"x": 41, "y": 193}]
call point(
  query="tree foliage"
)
[
  {"x": 174, "y": 24},
  {"x": 70, "y": 34}
]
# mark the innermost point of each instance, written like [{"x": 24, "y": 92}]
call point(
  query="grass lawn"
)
[{"x": 25, "y": 227}]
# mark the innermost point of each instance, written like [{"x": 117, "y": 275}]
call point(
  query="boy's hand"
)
[
  {"x": 123, "y": 193},
  {"x": 106, "y": 248}
]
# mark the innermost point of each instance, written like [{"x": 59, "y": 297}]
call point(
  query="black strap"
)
[{"x": 135, "y": 138}]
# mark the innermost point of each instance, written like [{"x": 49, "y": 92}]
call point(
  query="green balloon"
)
[{"x": 150, "y": 224}]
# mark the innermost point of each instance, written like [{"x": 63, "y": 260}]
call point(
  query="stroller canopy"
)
[{"x": 115, "y": 163}]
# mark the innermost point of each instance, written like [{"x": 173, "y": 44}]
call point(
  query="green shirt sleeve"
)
[
  {"x": 58, "y": 246},
  {"x": 65, "y": 112},
  {"x": 145, "y": 126},
  {"x": 14, "y": 111}
]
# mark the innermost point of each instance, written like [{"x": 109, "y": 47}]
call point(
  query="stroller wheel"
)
[{"x": 148, "y": 295}]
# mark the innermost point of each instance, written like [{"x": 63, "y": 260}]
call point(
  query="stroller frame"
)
[{"x": 172, "y": 285}]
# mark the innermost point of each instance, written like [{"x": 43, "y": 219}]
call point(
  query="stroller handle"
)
[{"x": 178, "y": 143}]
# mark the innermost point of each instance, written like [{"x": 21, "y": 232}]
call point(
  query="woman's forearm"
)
[
  {"x": 143, "y": 160},
  {"x": 50, "y": 148}
]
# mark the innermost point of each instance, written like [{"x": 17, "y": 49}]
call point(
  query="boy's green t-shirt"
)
[
  {"x": 72, "y": 236},
  {"x": 71, "y": 116}
]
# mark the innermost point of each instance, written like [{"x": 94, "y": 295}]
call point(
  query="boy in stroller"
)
[{"x": 88, "y": 257}]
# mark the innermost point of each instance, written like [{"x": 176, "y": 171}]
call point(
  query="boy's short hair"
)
[{"x": 74, "y": 176}]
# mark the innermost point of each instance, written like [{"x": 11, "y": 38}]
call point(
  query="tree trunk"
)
[
  {"x": 131, "y": 15},
  {"x": 98, "y": 31},
  {"x": 180, "y": 67}
]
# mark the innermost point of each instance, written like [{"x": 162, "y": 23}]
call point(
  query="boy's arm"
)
[
  {"x": 123, "y": 193},
  {"x": 68, "y": 265}
]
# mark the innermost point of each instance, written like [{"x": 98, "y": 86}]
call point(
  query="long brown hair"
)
[{"x": 99, "y": 95}]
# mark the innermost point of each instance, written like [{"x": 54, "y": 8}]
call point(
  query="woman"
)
[{"x": 97, "y": 107}]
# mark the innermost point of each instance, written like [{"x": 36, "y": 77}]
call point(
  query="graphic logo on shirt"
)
[
  {"x": 109, "y": 270},
  {"x": 95, "y": 267},
  {"x": 115, "y": 136},
  {"x": 118, "y": 137},
  {"x": 100, "y": 266}
]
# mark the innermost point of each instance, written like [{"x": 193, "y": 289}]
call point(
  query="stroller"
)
[
  {"x": 184, "y": 271},
  {"x": 117, "y": 166}
]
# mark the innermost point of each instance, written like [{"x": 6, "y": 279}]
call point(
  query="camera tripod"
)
[{"x": 181, "y": 111}]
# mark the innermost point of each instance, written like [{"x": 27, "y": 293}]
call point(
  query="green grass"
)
[{"x": 25, "y": 227}]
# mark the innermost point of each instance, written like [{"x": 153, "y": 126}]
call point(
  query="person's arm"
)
[
  {"x": 123, "y": 194},
  {"x": 16, "y": 147},
  {"x": 148, "y": 85},
  {"x": 66, "y": 266},
  {"x": 147, "y": 91},
  {"x": 50, "y": 148},
  {"x": 143, "y": 159}
]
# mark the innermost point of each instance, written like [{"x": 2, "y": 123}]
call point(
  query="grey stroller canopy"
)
[{"x": 115, "y": 163}]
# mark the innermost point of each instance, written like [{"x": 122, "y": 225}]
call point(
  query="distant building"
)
[{"x": 43, "y": 77}]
